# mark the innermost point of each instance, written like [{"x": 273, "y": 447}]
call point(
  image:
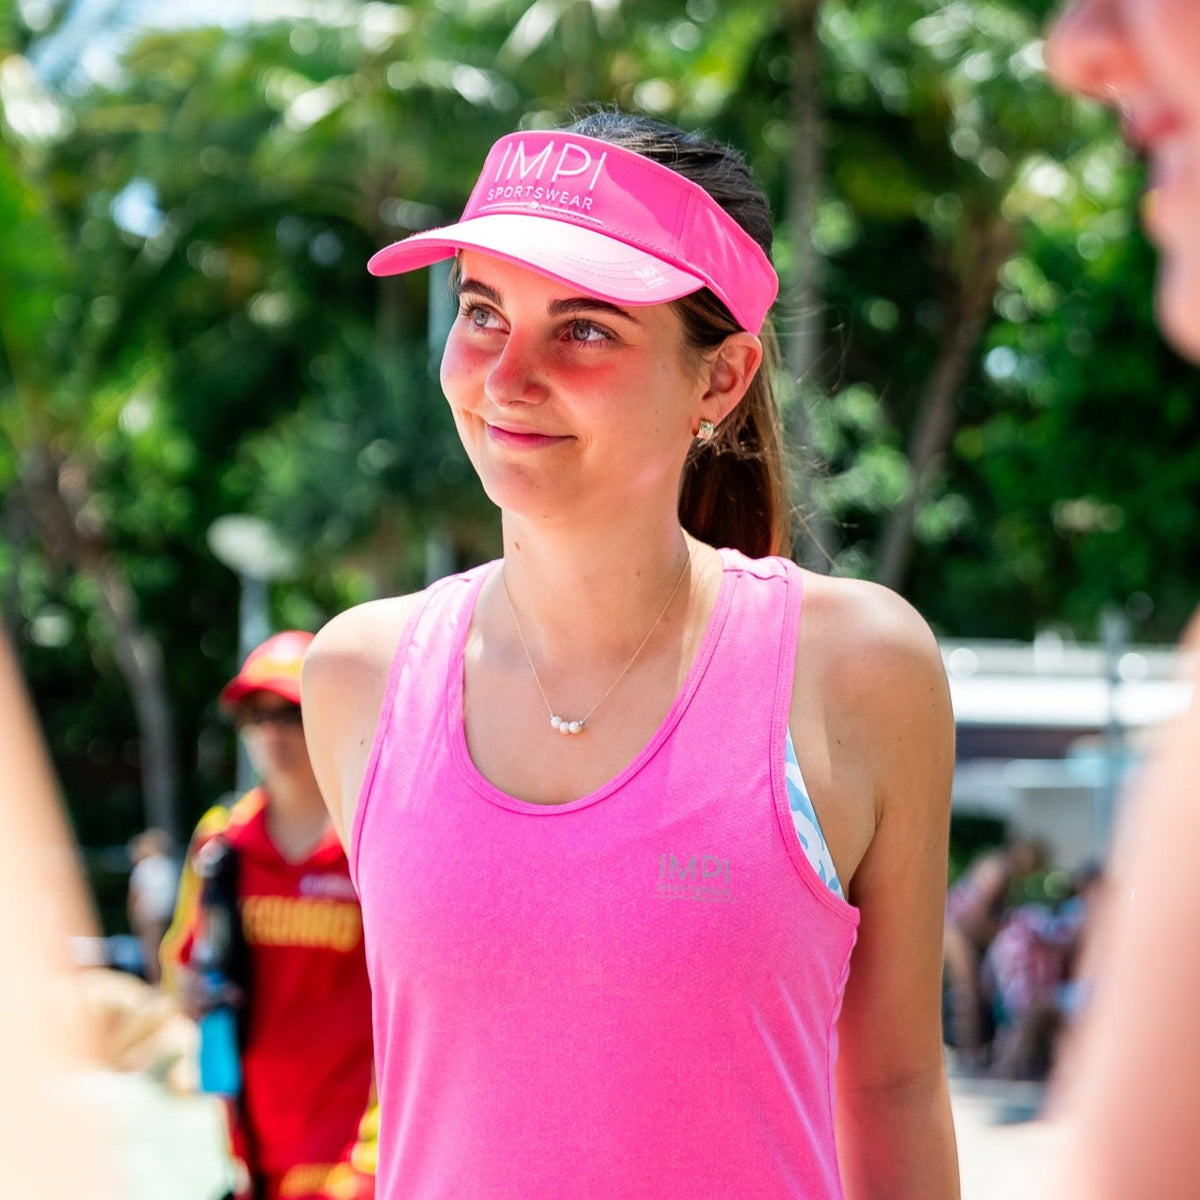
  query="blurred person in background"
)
[
  {"x": 1130, "y": 1094},
  {"x": 151, "y": 899},
  {"x": 975, "y": 908},
  {"x": 301, "y": 1121},
  {"x": 1031, "y": 976}
]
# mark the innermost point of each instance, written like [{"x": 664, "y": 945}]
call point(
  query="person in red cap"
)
[{"x": 301, "y": 1123}]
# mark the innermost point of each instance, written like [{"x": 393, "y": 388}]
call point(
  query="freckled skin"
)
[{"x": 621, "y": 410}]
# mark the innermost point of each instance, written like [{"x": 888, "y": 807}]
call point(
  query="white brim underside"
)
[{"x": 597, "y": 264}]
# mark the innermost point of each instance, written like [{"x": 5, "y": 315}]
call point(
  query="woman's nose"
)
[
  {"x": 515, "y": 377},
  {"x": 1089, "y": 51}
]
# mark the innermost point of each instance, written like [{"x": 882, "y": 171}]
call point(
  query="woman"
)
[
  {"x": 1132, "y": 1094},
  {"x": 583, "y": 789}
]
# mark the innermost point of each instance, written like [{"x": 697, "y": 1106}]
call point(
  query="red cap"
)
[{"x": 272, "y": 667}]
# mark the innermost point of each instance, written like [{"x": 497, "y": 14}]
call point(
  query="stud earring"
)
[{"x": 705, "y": 431}]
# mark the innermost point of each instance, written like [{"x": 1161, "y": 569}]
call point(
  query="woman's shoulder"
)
[
  {"x": 868, "y": 615},
  {"x": 873, "y": 652},
  {"x": 362, "y": 637},
  {"x": 343, "y": 684}
]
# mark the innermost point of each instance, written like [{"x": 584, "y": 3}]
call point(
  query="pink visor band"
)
[{"x": 603, "y": 219}]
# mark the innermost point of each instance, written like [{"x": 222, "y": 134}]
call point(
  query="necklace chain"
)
[{"x": 562, "y": 724}]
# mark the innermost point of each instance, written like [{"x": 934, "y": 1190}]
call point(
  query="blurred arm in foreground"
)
[
  {"x": 42, "y": 1036},
  {"x": 1129, "y": 1094}
]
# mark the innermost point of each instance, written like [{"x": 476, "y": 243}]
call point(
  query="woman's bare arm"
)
[
  {"x": 345, "y": 676},
  {"x": 890, "y": 747}
]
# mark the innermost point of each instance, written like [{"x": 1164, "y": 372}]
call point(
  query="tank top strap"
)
[
  {"x": 749, "y": 692},
  {"x": 756, "y": 656},
  {"x": 437, "y": 628}
]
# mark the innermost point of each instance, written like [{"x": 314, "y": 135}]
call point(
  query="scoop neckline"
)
[{"x": 457, "y": 729}]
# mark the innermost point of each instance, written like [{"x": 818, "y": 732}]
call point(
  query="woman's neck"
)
[{"x": 593, "y": 595}]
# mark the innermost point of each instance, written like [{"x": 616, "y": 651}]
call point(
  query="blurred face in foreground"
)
[{"x": 1143, "y": 57}]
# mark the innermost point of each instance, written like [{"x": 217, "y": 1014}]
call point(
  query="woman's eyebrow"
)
[
  {"x": 584, "y": 304},
  {"x": 556, "y": 308},
  {"x": 482, "y": 290}
]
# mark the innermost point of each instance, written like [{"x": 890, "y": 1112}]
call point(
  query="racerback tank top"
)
[{"x": 629, "y": 996}]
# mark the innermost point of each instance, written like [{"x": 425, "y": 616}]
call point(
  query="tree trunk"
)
[
  {"x": 56, "y": 495},
  {"x": 802, "y": 326},
  {"x": 970, "y": 313},
  {"x": 139, "y": 659}
]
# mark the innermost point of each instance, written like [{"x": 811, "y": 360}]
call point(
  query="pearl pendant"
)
[{"x": 565, "y": 726}]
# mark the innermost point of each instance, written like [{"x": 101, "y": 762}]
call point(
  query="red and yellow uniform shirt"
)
[{"x": 306, "y": 1065}]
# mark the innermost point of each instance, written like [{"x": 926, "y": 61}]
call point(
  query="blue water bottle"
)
[{"x": 220, "y": 1059}]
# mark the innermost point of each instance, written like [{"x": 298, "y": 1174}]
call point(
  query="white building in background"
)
[{"x": 1048, "y": 732}]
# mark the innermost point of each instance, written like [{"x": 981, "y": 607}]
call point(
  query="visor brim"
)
[{"x": 597, "y": 264}]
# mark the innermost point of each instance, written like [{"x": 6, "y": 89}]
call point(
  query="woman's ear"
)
[{"x": 731, "y": 370}]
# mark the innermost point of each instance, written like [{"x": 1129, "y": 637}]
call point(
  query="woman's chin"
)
[
  {"x": 1179, "y": 301},
  {"x": 520, "y": 497}
]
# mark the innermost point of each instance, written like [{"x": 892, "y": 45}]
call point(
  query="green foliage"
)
[{"x": 376, "y": 427}]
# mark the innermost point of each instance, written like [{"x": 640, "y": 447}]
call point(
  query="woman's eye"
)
[
  {"x": 480, "y": 318},
  {"x": 585, "y": 331}
]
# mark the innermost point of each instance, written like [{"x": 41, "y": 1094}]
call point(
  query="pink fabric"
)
[
  {"x": 632, "y": 995},
  {"x": 602, "y": 218}
]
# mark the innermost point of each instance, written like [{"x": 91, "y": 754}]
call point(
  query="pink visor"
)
[{"x": 603, "y": 219}]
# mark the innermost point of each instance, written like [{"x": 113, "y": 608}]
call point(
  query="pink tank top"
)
[{"x": 632, "y": 995}]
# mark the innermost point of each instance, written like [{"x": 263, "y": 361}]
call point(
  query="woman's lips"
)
[
  {"x": 526, "y": 439},
  {"x": 1146, "y": 126}
]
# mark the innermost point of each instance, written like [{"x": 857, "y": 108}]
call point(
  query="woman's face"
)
[
  {"x": 567, "y": 405},
  {"x": 1143, "y": 57}
]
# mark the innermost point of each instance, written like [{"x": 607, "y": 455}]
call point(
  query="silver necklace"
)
[{"x": 564, "y": 724}]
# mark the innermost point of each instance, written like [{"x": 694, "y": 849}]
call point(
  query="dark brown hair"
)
[{"x": 733, "y": 491}]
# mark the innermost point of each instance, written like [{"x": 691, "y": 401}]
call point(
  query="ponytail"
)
[{"x": 733, "y": 492}]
